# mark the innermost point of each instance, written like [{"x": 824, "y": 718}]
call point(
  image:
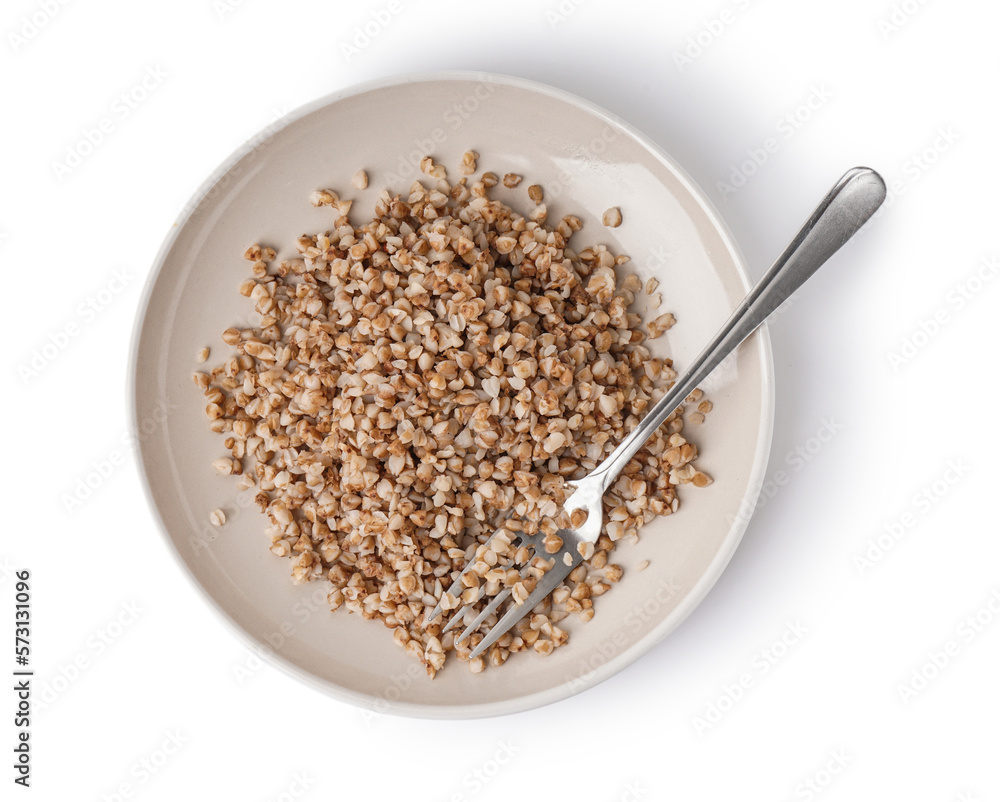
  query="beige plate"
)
[{"x": 586, "y": 160}]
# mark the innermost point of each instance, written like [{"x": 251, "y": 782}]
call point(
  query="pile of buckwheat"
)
[{"x": 414, "y": 379}]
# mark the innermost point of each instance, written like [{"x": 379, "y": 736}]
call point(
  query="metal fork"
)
[{"x": 851, "y": 202}]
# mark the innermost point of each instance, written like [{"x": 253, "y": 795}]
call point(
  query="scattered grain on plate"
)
[
  {"x": 257, "y": 253},
  {"x": 535, "y": 193},
  {"x": 428, "y": 166},
  {"x": 420, "y": 378},
  {"x": 651, "y": 286},
  {"x": 642, "y": 565},
  {"x": 224, "y": 466},
  {"x": 696, "y": 418},
  {"x": 632, "y": 283},
  {"x": 360, "y": 180},
  {"x": 511, "y": 180},
  {"x": 323, "y": 197},
  {"x": 612, "y": 217},
  {"x": 202, "y": 355},
  {"x": 217, "y": 517},
  {"x": 658, "y": 325},
  {"x": 468, "y": 165},
  {"x": 705, "y": 407}
]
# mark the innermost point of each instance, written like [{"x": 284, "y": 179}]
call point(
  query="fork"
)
[{"x": 847, "y": 207}]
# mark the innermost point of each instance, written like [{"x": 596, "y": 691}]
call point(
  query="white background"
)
[{"x": 908, "y": 88}]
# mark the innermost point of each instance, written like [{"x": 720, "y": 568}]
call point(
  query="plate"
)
[{"x": 587, "y": 160}]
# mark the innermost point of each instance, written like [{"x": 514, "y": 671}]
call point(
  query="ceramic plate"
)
[{"x": 586, "y": 160}]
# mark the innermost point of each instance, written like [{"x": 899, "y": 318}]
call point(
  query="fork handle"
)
[{"x": 847, "y": 207}]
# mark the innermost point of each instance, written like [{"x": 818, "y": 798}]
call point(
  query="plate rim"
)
[{"x": 607, "y": 669}]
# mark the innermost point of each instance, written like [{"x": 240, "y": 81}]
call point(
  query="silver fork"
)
[{"x": 851, "y": 202}]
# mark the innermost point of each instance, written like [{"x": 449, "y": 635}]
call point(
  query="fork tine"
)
[
  {"x": 499, "y": 599},
  {"x": 490, "y": 608},
  {"x": 459, "y": 613},
  {"x": 457, "y": 588},
  {"x": 457, "y": 584},
  {"x": 437, "y": 609},
  {"x": 556, "y": 574}
]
